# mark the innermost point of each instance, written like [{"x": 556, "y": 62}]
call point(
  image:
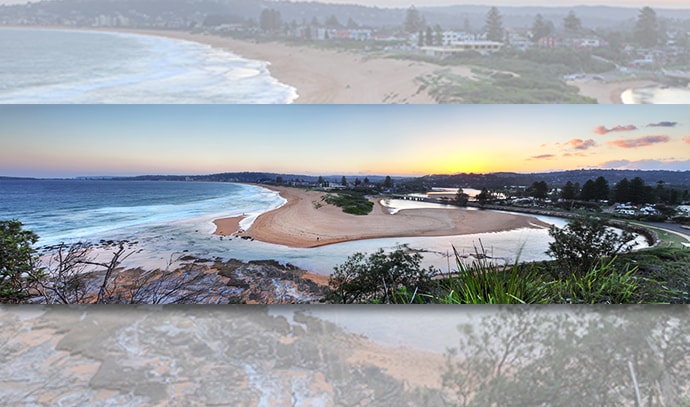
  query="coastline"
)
[
  {"x": 320, "y": 76},
  {"x": 609, "y": 92},
  {"x": 305, "y": 222}
]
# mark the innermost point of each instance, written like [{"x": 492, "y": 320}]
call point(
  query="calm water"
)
[
  {"x": 657, "y": 96},
  {"x": 62, "y": 66},
  {"x": 170, "y": 218}
]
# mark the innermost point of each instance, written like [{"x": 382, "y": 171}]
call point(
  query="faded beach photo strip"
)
[{"x": 344, "y": 203}]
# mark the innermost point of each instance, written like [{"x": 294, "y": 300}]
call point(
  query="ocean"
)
[
  {"x": 170, "y": 219},
  {"x": 93, "y": 67}
]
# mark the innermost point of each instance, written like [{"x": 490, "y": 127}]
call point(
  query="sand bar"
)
[{"x": 306, "y": 221}]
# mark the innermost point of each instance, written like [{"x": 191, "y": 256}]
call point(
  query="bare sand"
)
[
  {"x": 608, "y": 92},
  {"x": 325, "y": 76},
  {"x": 306, "y": 221}
]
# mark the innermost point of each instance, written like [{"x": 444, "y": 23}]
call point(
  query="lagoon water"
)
[
  {"x": 175, "y": 218},
  {"x": 657, "y": 95},
  {"x": 71, "y": 66}
]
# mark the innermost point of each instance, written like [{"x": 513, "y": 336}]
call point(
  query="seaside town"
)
[{"x": 513, "y": 54}]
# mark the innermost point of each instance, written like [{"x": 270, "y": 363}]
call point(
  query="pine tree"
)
[
  {"x": 413, "y": 21},
  {"x": 647, "y": 28},
  {"x": 494, "y": 25},
  {"x": 572, "y": 23},
  {"x": 541, "y": 28}
]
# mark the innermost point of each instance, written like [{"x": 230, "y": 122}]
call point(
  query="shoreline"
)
[
  {"x": 319, "y": 76},
  {"x": 610, "y": 92},
  {"x": 305, "y": 222}
]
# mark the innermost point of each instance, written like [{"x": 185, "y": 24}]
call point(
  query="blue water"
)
[
  {"x": 170, "y": 219},
  {"x": 64, "y": 66},
  {"x": 70, "y": 210}
]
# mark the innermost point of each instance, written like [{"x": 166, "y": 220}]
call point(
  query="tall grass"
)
[{"x": 483, "y": 282}]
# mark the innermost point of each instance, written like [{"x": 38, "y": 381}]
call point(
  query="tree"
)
[
  {"x": 429, "y": 36},
  {"x": 639, "y": 192},
  {"x": 621, "y": 192},
  {"x": 541, "y": 28},
  {"x": 269, "y": 20},
  {"x": 352, "y": 23},
  {"x": 380, "y": 278},
  {"x": 581, "y": 244},
  {"x": 388, "y": 182},
  {"x": 332, "y": 22},
  {"x": 539, "y": 189},
  {"x": 413, "y": 21},
  {"x": 518, "y": 357},
  {"x": 601, "y": 189},
  {"x": 461, "y": 198},
  {"x": 572, "y": 23},
  {"x": 647, "y": 28},
  {"x": 19, "y": 275},
  {"x": 483, "y": 197},
  {"x": 343, "y": 181},
  {"x": 494, "y": 25},
  {"x": 568, "y": 192},
  {"x": 588, "y": 191}
]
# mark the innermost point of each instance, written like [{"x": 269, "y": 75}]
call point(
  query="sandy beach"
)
[
  {"x": 306, "y": 221},
  {"x": 324, "y": 76},
  {"x": 608, "y": 92}
]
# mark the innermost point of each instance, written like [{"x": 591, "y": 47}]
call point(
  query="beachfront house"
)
[{"x": 484, "y": 47}]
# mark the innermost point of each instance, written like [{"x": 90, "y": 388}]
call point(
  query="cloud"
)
[
  {"x": 580, "y": 144},
  {"x": 602, "y": 130},
  {"x": 686, "y": 139},
  {"x": 640, "y": 141},
  {"x": 574, "y": 155},
  {"x": 542, "y": 157},
  {"x": 648, "y": 164},
  {"x": 663, "y": 124}
]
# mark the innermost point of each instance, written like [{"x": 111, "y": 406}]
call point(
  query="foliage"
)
[
  {"x": 532, "y": 76},
  {"x": 541, "y": 28},
  {"x": 461, "y": 198},
  {"x": 414, "y": 22},
  {"x": 538, "y": 189},
  {"x": 572, "y": 23},
  {"x": 483, "y": 282},
  {"x": 380, "y": 278},
  {"x": 270, "y": 20},
  {"x": 494, "y": 25},
  {"x": 647, "y": 28},
  {"x": 602, "y": 284},
  {"x": 523, "y": 356},
  {"x": 18, "y": 272},
  {"x": 352, "y": 202},
  {"x": 580, "y": 245}
]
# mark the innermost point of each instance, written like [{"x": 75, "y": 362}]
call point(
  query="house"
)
[{"x": 481, "y": 46}]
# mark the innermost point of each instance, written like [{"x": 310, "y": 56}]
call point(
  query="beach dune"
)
[{"x": 306, "y": 221}]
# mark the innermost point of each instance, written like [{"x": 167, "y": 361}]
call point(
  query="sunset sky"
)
[{"x": 93, "y": 140}]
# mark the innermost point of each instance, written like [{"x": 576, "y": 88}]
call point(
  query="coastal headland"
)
[{"x": 306, "y": 221}]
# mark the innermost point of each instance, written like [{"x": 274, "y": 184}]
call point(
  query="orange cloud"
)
[
  {"x": 602, "y": 130},
  {"x": 580, "y": 144},
  {"x": 686, "y": 139},
  {"x": 640, "y": 141}
]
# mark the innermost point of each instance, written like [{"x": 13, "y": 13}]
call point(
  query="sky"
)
[{"x": 97, "y": 140}]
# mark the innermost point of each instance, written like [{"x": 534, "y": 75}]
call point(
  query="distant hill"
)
[
  {"x": 147, "y": 12},
  {"x": 680, "y": 179}
]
